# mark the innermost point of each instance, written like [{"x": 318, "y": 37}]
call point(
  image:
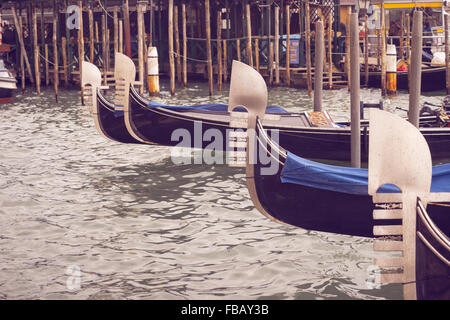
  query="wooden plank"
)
[
  {"x": 388, "y": 230},
  {"x": 387, "y": 214},
  {"x": 389, "y": 262},
  {"x": 387, "y": 245},
  {"x": 392, "y": 278}
]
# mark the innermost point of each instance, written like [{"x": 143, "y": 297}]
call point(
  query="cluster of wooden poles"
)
[
  {"x": 252, "y": 48},
  {"x": 415, "y": 70}
]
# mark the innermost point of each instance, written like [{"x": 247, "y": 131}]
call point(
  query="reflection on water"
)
[{"x": 83, "y": 217}]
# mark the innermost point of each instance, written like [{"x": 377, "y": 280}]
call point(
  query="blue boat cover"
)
[
  {"x": 204, "y": 107},
  {"x": 212, "y": 107},
  {"x": 348, "y": 180}
]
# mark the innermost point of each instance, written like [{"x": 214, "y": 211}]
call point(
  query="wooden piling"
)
[
  {"x": 347, "y": 48},
  {"x": 402, "y": 34},
  {"x": 104, "y": 49},
  {"x": 277, "y": 45},
  {"x": 140, "y": 40},
  {"x": 177, "y": 43},
  {"x": 288, "y": 46},
  {"x": 153, "y": 71},
  {"x": 55, "y": 57},
  {"x": 116, "y": 29},
  {"x": 318, "y": 66},
  {"x": 355, "y": 93},
  {"x": 126, "y": 26},
  {"x": 23, "y": 51},
  {"x": 330, "y": 51},
  {"x": 97, "y": 38},
  {"x": 36, "y": 53},
  {"x": 415, "y": 69},
  {"x": 408, "y": 38},
  {"x": 383, "y": 50},
  {"x": 249, "y": 35},
  {"x": 447, "y": 52},
  {"x": 238, "y": 49},
  {"x": 219, "y": 50},
  {"x": 366, "y": 51},
  {"x": 120, "y": 36},
  {"x": 46, "y": 64},
  {"x": 22, "y": 62},
  {"x": 183, "y": 13},
  {"x": 208, "y": 46},
  {"x": 225, "y": 60},
  {"x": 308, "y": 48},
  {"x": 257, "y": 54},
  {"x": 91, "y": 35},
  {"x": 64, "y": 60},
  {"x": 271, "y": 63},
  {"x": 171, "y": 59},
  {"x": 80, "y": 48}
]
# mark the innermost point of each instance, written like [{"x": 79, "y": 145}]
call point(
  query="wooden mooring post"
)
[
  {"x": 185, "y": 52},
  {"x": 171, "y": 59},
  {"x": 177, "y": 43},
  {"x": 318, "y": 64},
  {"x": 415, "y": 69},
  {"x": 355, "y": 92},
  {"x": 288, "y": 46},
  {"x": 277, "y": 46},
  {"x": 249, "y": 36},
  {"x": 37, "y": 73},
  {"x": 308, "y": 48},
  {"x": 447, "y": 52},
  {"x": 383, "y": 49},
  {"x": 23, "y": 52},
  {"x": 208, "y": 46},
  {"x": 140, "y": 42},
  {"x": 219, "y": 51},
  {"x": 80, "y": 49},
  {"x": 55, "y": 56}
]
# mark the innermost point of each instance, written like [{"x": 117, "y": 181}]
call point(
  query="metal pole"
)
[
  {"x": 318, "y": 67},
  {"x": 415, "y": 69},
  {"x": 354, "y": 93}
]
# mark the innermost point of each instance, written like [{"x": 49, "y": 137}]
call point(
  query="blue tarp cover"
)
[
  {"x": 213, "y": 107},
  {"x": 348, "y": 180},
  {"x": 204, "y": 107}
]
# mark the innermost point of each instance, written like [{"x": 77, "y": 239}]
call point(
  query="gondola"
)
[
  {"x": 433, "y": 79},
  {"x": 303, "y": 193},
  {"x": 314, "y": 135},
  {"x": 400, "y": 155},
  {"x": 7, "y": 84},
  {"x": 108, "y": 121}
]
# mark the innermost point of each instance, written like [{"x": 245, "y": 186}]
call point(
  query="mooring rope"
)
[
  {"x": 52, "y": 63},
  {"x": 103, "y": 8}
]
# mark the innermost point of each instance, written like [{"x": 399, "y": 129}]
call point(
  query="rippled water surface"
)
[{"x": 83, "y": 217}]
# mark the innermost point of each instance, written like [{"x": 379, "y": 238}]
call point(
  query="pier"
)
[{"x": 44, "y": 41}]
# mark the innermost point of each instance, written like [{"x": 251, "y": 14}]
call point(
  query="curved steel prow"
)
[
  {"x": 124, "y": 76},
  {"x": 91, "y": 81},
  {"x": 398, "y": 154},
  {"x": 247, "y": 89}
]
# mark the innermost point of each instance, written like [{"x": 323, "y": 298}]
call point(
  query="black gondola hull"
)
[{"x": 161, "y": 126}]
